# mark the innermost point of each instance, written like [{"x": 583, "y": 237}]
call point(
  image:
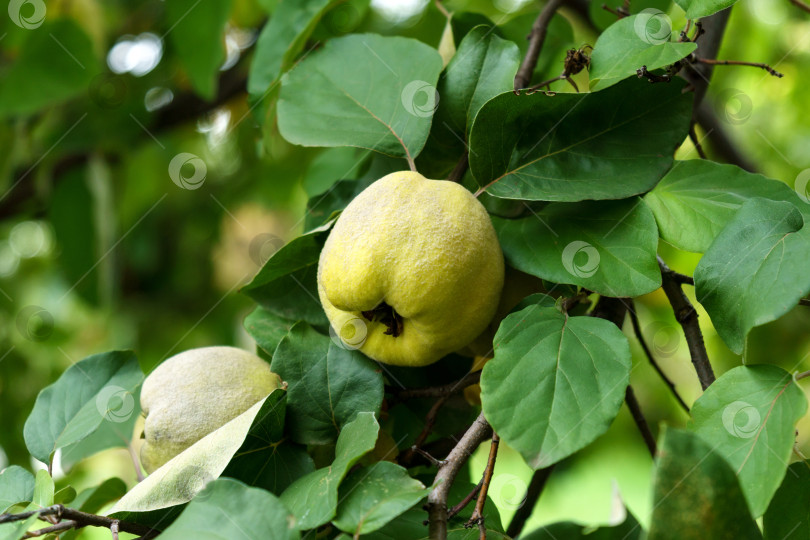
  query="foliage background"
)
[{"x": 115, "y": 255}]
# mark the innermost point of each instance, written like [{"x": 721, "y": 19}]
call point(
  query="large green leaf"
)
[
  {"x": 56, "y": 62},
  {"x": 182, "y": 477},
  {"x": 281, "y": 39},
  {"x": 313, "y": 499},
  {"x": 608, "y": 247},
  {"x": 287, "y": 283},
  {"x": 749, "y": 417},
  {"x": 556, "y": 382},
  {"x": 371, "y": 497},
  {"x": 97, "y": 389},
  {"x": 196, "y": 31},
  {"x": 328, "y": 384},
  {"x": 16, "y": 486},
  {"x": 628, "y": 530},
  {"x": 43, "y": 489},
  {"x": 696, "y": 494},
  {"x": 697, "y": 198},
  {"x": 788, "y": 516},
  {"x": 755, "y": 271},
  {"x": 228, "y": 509},
  {"x": 362, "y": 90},
  {"x": 631, "y": 42},
  {"x": 573, "y": 147},
  {"x": 695, "y": 9},
  {"x": 267, "y": 328}
]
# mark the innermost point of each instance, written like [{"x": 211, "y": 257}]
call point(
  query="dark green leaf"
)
[
  {"x": 697, "y": 198},
  {"x": 696, "y": 494},
  {"x": 371, "y": 497},
  {"x": 16, "y": 486},
  {"x": 92, "y": 500},
  {"x": 267, "y": 328},
  {"x": 755, "y": 271},
  {"x": 286, "y": 285},
  {"x": 628, "y": 530},
  {"x": 313, "y": 499},
  {"x": 609, "y": 247},
  {"x": 572, "y": 147},
  {"x": 97, "y": 389},
  {"x": 227, "y": 509},
  {"x": 328, "y": 385},
  {"x": 362, "y": 90},
  {"x": 695, "y": 9},
  {"x": 407, "y": 526},
  {"x": 788, "y": 516},
  {"x": 749, "y": 417},
  {"x": 631, "y": 42},
  {"x": 556, "y": 382},
  {"x": 330, "y": 167},
  {"x": 197, "y": 33}
]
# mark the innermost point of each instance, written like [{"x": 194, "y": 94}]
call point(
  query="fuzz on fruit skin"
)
[
  {"x": 196, "y": 392},
  {"x": 425, "y": 249}
]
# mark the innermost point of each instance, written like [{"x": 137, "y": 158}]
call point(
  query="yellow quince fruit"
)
[
  {"x": 411, "y": 271},
  {"x": 196, "y": 392}
]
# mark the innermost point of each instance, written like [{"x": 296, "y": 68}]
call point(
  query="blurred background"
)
[{"x": 134, "y": 201}]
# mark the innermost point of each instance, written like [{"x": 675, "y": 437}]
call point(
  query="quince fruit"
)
[
  {"x": 196, "y": 392},
  {"x": 411, "y": 271}
]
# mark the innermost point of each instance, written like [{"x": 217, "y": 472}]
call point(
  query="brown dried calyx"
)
[{"x": 388, "y": 316}]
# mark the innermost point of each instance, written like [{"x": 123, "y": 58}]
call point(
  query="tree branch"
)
[
  {"x": 708, "y": 45},
  {"x": 536, "y": 485},
  {"x": 801, "y": 5},
  {"x": 440, "y": 391},
  {"x": 77, "y": 519},
  {"x": 721, "y": 142},
  {"x": 536, "y": 39},
  {"x": 687, "y": 317},
  {"x": 638, "y": 417},
  {"x": 430, "y": 421},
  {"x": 458, "y": 456},
  {"x": 477, "y": 517}
]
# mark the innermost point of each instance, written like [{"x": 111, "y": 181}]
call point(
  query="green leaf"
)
[
  {"x": 484, "y": 66},
  {"x": 628, "y": 530},
  {"x": 631, "y": 42},
  {"x": 182, "y": 477},
  {"x": 287, "y": 283},
  {"x": 92, "y": 500},
  {"x": 466, "y": 533},
  {"x": 228, "y": 509},
  {"x": 197, "y": 33},
  {"x": 65, "y": 495},
  {"x": 55, "y": 63},
  {"x": 573, "y": 147},
  {"x": 755, "y": 271},
  {"x": 371, "y": 497},
  {"x": 695, "y": 493},
  {"x": 788, "y": 516},
  {"x": 94, "y": 390},
  {"x": 362, "y": 90},
  {"x": 749, "y": 417},
  {"x": 331, "y": 166},
  {"x": 313, "y": 499},
  {"x": 328, "y": 385},
  {"x": 267, "y": 328},
  {"x": 43, "y": 489},
  {"x": 16, "y": 486},
  {"x": 407, "y": 526},
  {"x": 696, "y": 9},
  {"x": 282, "y": 39},
  {"x": 556, "y": 382},
  {"x": 697, "y": 198},
  {"x": 16, "y": 530},
  {"x": 609, "y": 247}
]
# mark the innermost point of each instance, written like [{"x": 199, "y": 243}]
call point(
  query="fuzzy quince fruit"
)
[
  {"x": 411, "y": 271},
  {"x": 195, "y": 392}
]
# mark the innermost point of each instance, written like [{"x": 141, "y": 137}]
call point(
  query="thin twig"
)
[
  {"x": 478, "y": 517},
  {"x": 760, "y": 65},
  {"x": 430, "y": 421},
  {"x": 465, "y": 501},
  {"x": 687, "y": 317},
  {"x": 478, "y": 432},
  {"x": 712, "y": 29},
  {"x": 802, "y": 375},
  {"x": 651, "y": 358},
  {"x": 536, "y": 485},
  {"x": 441, "y": 391},
  {"x": 696, "y": 141},
  {"x": 801, "y": 5},
  {"x": 81, "y": 519},
  {"x": 638, "y": 417},
  {"x": 114, "y": 529},
  {"x": 457, "y": 174},
  {"x": 536, "y": 39}
]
